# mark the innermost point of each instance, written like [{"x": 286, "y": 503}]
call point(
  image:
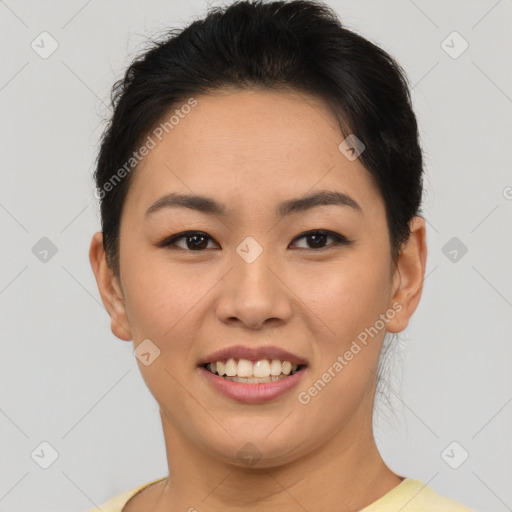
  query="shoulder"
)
[
  {"x": 418, "y": 497},
  {"x": 116, "y": 503}
]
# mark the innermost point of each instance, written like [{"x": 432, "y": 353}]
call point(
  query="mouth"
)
[
  {"x": 260, "y": 371},
  {"x": 253, "y": 382},
  {"x": 253, "y": 375}
]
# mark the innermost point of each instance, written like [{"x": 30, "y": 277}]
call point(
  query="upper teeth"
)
[{"x": 246, "y": 368}]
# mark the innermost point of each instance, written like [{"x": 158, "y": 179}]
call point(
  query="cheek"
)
[
  {"x": 154, "y": 309},
  {"x": 165, "y": 300},
  {"x": 349, "y": 300},
  {"x": 347, "y": 296},
  {"x": 154, "y": 301},
  {"x": 160, "y": 306}
]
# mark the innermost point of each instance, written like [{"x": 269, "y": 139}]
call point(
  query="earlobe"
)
[
  {"x": 109, "y": 288},
  {"x": 409, "y": 275}
]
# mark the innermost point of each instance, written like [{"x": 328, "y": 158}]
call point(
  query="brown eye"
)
[
  {"x": 194, "y": 241},
  {"x": 317, "y": 239}
]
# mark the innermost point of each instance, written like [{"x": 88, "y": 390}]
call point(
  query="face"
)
[{"x": 316, "y": 281}]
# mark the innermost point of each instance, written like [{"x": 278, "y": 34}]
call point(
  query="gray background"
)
[{"x": 66, "y": 380}]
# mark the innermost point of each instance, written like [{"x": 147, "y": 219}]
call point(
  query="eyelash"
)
[{"x": 338, "y": 239}]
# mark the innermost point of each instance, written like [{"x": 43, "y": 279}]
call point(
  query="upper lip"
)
[{"x": 252, "y": 354}]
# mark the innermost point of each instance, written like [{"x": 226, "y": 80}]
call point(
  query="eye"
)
[
  {"x": 317, "y": 239},
  {"x": 194, "y": 240}
]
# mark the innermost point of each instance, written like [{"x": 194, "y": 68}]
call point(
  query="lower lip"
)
[{"x": 252, "y": 393}]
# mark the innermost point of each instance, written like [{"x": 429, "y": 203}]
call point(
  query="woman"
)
[{"x": 260, "y": 186}]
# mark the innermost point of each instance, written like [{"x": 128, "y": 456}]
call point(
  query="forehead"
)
[{"x": 251, "y": 145}]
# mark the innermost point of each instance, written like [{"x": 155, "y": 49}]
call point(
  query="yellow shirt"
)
[{"x": 409, "y": 496}]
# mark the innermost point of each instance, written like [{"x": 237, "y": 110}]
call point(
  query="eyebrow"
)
[{"x": 210, "y": 206}]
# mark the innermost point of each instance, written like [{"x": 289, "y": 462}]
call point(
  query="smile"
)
[{"x": 253, "y": 382}]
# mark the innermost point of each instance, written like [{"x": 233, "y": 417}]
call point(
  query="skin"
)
[{"x": 252, "y": 150}]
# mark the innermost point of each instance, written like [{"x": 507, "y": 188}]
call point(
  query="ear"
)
[
  {"x": 109, "y": 288},
  {"x": 409, "y": 276}
]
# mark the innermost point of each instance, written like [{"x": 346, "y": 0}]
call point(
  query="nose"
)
[{"x": 255, "y": 294}]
